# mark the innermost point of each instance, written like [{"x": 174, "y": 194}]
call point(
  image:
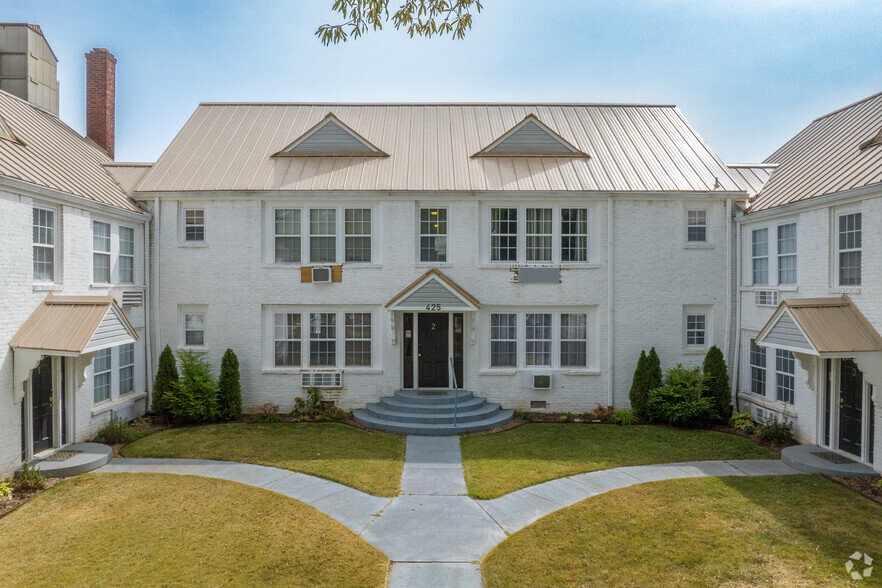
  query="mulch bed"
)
[
  {"x": 19, "y": 498},
  {"x": 863, "y": 486}
]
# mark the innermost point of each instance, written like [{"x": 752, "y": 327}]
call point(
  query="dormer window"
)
[
  {"x": 530, "y": 138},
  {"x": 331, "y": 138}
]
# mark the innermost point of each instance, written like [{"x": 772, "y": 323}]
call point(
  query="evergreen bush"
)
[
  {"x": 194, "y": 396},
  {"x": 163, "y": 385},
  {"x": 640, "y": 387},
  {"x": 716, "y": 376},
  {"x": 653, "y": 367},
  {"x": 682, "y": 399},
  {"x": 229, "y": 396}
]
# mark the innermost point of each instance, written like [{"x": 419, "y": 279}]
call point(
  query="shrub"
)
[
  {"x": 29, "y": 479},
  {"x": 776, "y": 432},
  {"x": 524, "y": 416},
  {"x": 681, "y": 399},
  {"x": 314, "y": 409},
  {"x": 601, "y": 413},
  {"x": 640, "y": 386},
  {"x": 567, "y": 417},
  {"x": 115, "y": 431},
  {"x": 716, "y": 376},
  {"x": 267, "y": 413},
  {"x": 5, "y": 490},
  {"x": 229, "y": 397},
  {"x": 194, "y": 396},
  {"x": 653, "y": 367},
  {"x": 624, "y": 416},
  {"x": 163, "y": 385},
  {"x": 742, "y": 421}
]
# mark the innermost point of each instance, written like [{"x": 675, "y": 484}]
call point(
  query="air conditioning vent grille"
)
[
  {"x": 766, "y": 297},
  {"x": 132, "y": 298},
  {"x": 321, "y": 379}
]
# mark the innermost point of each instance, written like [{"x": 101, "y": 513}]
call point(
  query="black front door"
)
[
  {"x": 433, "y": 350},
  {"x": 851, "y": 407},
  {"x": 41, "y": 399}
]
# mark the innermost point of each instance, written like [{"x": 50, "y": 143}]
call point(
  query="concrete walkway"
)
[{"x": 433, "y": 533}]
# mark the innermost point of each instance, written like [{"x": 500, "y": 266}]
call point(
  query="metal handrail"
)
[{"x": 455, "y": 390}]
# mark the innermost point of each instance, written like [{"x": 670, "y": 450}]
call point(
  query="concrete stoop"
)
[{"x": 442, "y": 412}]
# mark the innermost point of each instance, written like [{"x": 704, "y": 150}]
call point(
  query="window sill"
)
[
  {"x": 846, "y": 290},
  {"x": 769, "y": 404},
  {"x": 498, "y": 372},
  {"x": 47, "y": 287},
  {"x": 108, "y": 405},
  {"x": 100, "y": 286},
  {"x": 193, "y": 348},
  {"x": 779, "y": 287},
  {"x": 695, "y": 350},
  {"x": 298, "y": 370},
  {"x": 570, "y": 266},
  {"x": 699, "y": 246},
  {"x": 193, "y": 244},
  {"x": 499, "y": 266},
  {"x": 580, "y": 372},
  {"x": 434, "y": 264}
]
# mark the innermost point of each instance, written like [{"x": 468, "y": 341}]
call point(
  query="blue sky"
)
[{"x": 748, "y": 74}]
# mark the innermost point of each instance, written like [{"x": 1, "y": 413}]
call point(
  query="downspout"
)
[
  {"x": 728, "y": 280},
  {"x": 157, "y": 223},
  {"x": 610, "y": 310},
  {"x": 736, "y": 370},
  {"x": 148, "y": 342}
]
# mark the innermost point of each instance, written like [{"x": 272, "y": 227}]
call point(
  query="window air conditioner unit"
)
[
  {"x": 765, "y": 297},
  {"x": 542, "y": 381},
  {"x": 321, "y": 275},
  {"x": 321, "y": 379}
]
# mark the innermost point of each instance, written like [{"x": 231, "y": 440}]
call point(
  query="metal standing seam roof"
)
[
  {"x": 128, "y": 174},
  {"x": 65, "y": 323},
  {"x": 50, "y": 154},
  {"x": 826, "y": 157},
  {"x": 753, "y": 176},
  {"x": 430, "y": 147},
  {"x": 832, "y": 325}
]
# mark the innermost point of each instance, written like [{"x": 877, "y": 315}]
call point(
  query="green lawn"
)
[
  {"x": 733, "y": 531},
  {"x": 155, "y": 529},
  {"x": 503, "y": 462},
  {"x": 369, "y": 461}
]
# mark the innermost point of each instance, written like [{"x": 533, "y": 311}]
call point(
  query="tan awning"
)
[
  {"x": 74, "y": 324},
  {"x": 433, "y": 291},
  {"x": 820, "y": 326}
]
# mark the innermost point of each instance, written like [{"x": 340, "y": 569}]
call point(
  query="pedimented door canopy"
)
[
  {"x": 530, "y": 137},
  {"x": 331, "y": 138},
  {"x": 434, "y": 292}
]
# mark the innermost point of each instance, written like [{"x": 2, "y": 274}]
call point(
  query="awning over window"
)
[
  {"x": 820, "y": 326},
  {"x": 72, "y": 325},
  {"x": 433, "y": 291}
]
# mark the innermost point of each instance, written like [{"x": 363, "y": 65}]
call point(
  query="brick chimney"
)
[{"x": 101, "y": 98}]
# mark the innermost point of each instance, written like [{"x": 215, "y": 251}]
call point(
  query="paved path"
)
[{"x": 432, "y": 532}]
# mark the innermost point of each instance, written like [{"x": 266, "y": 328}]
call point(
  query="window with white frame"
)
[
  {"x": 433, "y": 235},
  {"x": 538, "y": 339},
  {"x": 44, "y": 244},
  {"x": 785, "y": 380},
  {"x": 540, "y": 227},
  {"x": 194, "y": 329},
  {"x": 760, "y": 255},
  {"x": 357, "y": 235},
  {"x": 194, "y": 225},
  {"x": 286, "y": 230},
  {"x": 358, "y": 338},
  {"x": 126, "y": 368},
  {"x": 286, "y": 339},
  {"x": 503, "y": 340},
  {"x": 757, "y": 368},
  {"x": 101, "y": 372},
  {"x": 126, "y": 255},
  {"x": 849, "y": 233},
  {"x": 504, "y": 234},
  {"x": 322, "y": 339},
  {"x": 787, "y": 253},
  {"x": 696, "y": 226},
  {"x": 573, "y": 235},
  {"x": 696, "y": 330},
  {"x": 573, "y": 340},
  {"x": 100, "y": 252},
  {"x": 323, "y": 235}
]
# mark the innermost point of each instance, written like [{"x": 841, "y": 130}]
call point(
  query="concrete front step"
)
[
  {"x": 498, "y": 419},
  {"x": 393, "y": 404},
  {"x": 462, "y": 416},
  {"x": 431, "y": 396}
]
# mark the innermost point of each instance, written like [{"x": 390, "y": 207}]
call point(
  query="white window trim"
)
[
  {"x": 698, "y": 309},
  {"x": 750, "y": 367},
  {"x": 419, "y": 249},
  {"x": 587, "y": 236},
  {"x": 116, "y": 397},
  {"x": 556, "y": 234},
  {"x": 183, "y": 311},
  {"x": 696, "y": 330},
  {"x": 275, "y": 340},
  {"x": 779, "y": 255},
  {"x": 370, "y": 340},
  {"x": 182, "y": 224},
  {"x": 269, "y": 240},
  {"x": 555, "y": 218},
  {"x": 271, "y": 223},
  {"x": 132, "y": 255},
  {"x": 706, "y": 225},
  {"x": 114, "y": 253},
  {"x": 108, "y": 253},
  {"x": 772, "y": 277},
  {"x": 345, "y": 236},
  {"x": 787, "y": 374},
  {"x": 109, "y": 371},
  {"x": 121, "y": 367},
  {"x": 56, "y": 245},
  {"x": 836, "y": 250}
]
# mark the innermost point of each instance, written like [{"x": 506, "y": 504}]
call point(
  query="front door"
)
[
  {"x": 41, "y": 399},
  {"x": 851, "y": 401},
  {"x": 433, "y": 350}
]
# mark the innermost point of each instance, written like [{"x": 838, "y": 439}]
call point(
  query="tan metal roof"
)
[
  {"x": 48, "y": 153},
  {"x": 752, "y": 176},
  {"x": 832, "y": 325},
  {"x": 66, "y": 323},
  {"x": 826, "y": 157},
  {"x": 128, "y": 175},
  {"x": 630, "y": 148}
]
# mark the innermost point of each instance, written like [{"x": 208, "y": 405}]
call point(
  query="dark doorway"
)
[
  {"x": 433, "y": 350},
  {"x": 408, "y": 350},
  {"x": 41, "y": 402},
  {"x": 851, "y": 401}
]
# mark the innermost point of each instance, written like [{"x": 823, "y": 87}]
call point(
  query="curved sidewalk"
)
[{"x": 432, "y": 532}]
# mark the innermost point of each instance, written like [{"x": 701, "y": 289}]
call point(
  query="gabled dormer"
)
[
  {"x": 331, "y": 138},
  {"x": 530, "y": 138}
]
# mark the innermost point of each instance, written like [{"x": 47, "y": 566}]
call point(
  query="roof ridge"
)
[
  {"x": 852, "y": 105},
  {"x": 372, "y": 104}
]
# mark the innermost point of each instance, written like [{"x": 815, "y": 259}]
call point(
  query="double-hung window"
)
[
  {"x": 433, "y": 235},
  {"x": 787, "y": 253},
  {"x": 573, "y": 235},
  {"x": 286, "y": 227},
  {"x": 358, "y": 338},
  {"x": 785, "y": 370},
  {"x": 503, "y": 340},
  {"x": 323, "y": 235},
  {"x": 194, "y": 329},
  {"x": 574, "y": 340},
  {"x": 44, "y": 244},
  {"x": 696, "y": 226},
  {"x": 504, "y": 234},
  {"x": 126, "y": 368},
  {"x": 101, "y": 366},
  {"x": 760, "y": 255},
  {"x": 100, "y": 252},
  {"x": 757, "y": 368},
  {"x": 696, "y": 330},
  {"x": 539, "y": 234},
  {"x": 126, "y": 255},
  {"x": 357, "y": 238},
  {"x": 194, "y": 225},
  {"x": 850, "y": 249},
  {"x": 538, "y": 339},
  {"x": 322, "y": 339},
  {"x": 286, "y": 339}
]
